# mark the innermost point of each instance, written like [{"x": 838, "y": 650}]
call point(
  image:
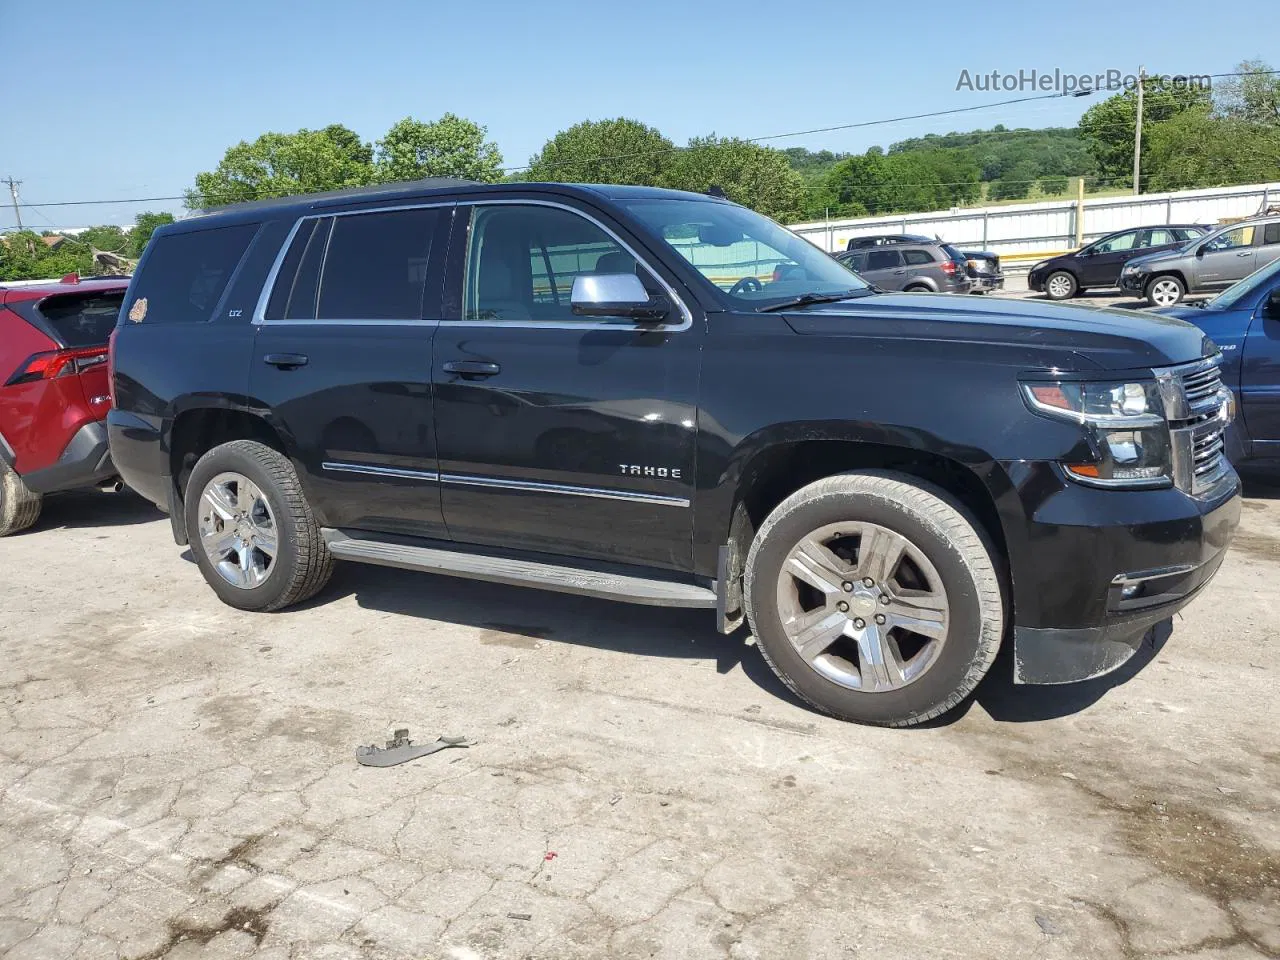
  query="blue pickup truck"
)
[{"x": 1244, "y": 321}]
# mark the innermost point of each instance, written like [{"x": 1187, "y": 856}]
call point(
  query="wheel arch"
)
[{"x": 771, "y": 470}]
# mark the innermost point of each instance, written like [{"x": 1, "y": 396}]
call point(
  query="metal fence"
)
[{"x": 1038, "y": 229}]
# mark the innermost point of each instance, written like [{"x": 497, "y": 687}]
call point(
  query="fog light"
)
[{"x": 1130, "y": 590}]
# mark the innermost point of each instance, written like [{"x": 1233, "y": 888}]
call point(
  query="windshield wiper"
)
[{"x": 806, "y": 299}]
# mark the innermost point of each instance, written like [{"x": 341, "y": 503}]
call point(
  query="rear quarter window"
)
[
  {"x": 915, "y": 257},
  {"x": 82, "y": 321},
  {"x": 185, "y": 274}
]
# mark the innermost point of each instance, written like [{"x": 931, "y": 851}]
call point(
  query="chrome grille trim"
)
[{"x": 1198, "y": 409}]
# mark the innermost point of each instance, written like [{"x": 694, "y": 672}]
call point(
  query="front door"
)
[
  {"x": 342, "y": 364},
  {"x": 1226, "y": 258},
  {"x": 1260, "y": 378},
  {"x": 557, "y": 433},
  {"x": 1102, "y": 267}
]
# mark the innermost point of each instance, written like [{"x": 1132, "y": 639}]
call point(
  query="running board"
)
[{"x": 458, "y": 562}]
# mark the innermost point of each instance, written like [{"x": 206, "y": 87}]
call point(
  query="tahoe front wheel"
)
[
  {"x": 251, "y": 530},
  {"x": 875, "y": 598}
]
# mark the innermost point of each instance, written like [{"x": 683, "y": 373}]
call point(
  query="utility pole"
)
[
  {"x": 13, "y": 192},
  {"x": 1137, "y": 131}
]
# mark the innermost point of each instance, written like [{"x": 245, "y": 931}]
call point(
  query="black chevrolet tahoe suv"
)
[{"x": 665, "y": 398}]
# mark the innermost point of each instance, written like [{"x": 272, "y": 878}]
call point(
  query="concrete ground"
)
[{"x": 177, "y": 779}]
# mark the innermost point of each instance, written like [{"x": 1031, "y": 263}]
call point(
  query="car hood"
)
[
  {"x": 1153, "y": 258},
  {"x": 1098, "y": 336}
]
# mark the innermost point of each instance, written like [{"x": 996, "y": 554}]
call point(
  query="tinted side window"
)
[
  {"x": 883, "y": 259},
  {"x": 914, "y": 257},
  {"x": 1271, "y": 233},
  {"x": 1158, "y": 238},
  {"x": 522, "y": 261},
  {"x": 1124, "y": 241},
  {"x": 186, "y": 273},
  {"x": 375, "y": 266},
  {"x": 82, "y": 321},
  {"x": 853, "y": 261},
  {"x": 1187, "y": 233}
]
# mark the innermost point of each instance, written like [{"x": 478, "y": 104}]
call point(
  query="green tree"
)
[
  {"x": 281, "y": 164},
  {"x": 1108, "y": 127},
  {"x": 110, "y": 238},
  {"x": 1054, "y": 185},
  {"x": 604, "y": 151},
  {"x": 1253, "y": 96},
  {"x": 25, "y": 256},
  {"x": 1198, "y": 149},
  {"x": 143, "y": 226},
  {"x": 755, "y": 176},
  {"x": 450, "y": 147}
]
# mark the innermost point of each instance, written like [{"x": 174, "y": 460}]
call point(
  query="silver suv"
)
[
  {"x": 1213, "y": 262},
  {"x": 928, "y": 267}
]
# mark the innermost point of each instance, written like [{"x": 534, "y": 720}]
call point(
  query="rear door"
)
[
  {"x": 884, "y": 268},
  {"x": 342, "y": 363},
  {"x": 1226, "y": 258},
  {"x": 918, "y": 263},
  {"x": 1268, "y": 245}
]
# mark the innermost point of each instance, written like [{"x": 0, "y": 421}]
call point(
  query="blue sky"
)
[{"x": 131, "y": 99}]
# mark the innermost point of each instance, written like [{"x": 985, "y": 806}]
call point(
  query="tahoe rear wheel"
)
[
  {"x": 251, "y": 531},
  {"x": 875, "y": 598},
  {"x": 1165, "y": 291},
  {"x": 1060, "y": 285}
]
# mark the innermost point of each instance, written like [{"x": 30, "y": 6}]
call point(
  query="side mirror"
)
[
  {"x": 615, "y": 295},
  {"x": 1273, "y": 304},
  {"x": 1201, "y": 249}
]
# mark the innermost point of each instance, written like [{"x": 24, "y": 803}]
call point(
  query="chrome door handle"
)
[
  {"x": 472, "y": 368},
  {"x": 1246, "y": 253},
  {"x": 285, "y": 361}
]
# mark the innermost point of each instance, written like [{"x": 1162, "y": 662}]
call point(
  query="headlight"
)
[
  {"x": 1125, "y": 423},
  {"x": 1131, "y": 268}
]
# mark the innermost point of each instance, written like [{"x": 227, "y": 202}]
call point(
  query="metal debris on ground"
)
[
  {"x": 401, "y": 749},
  {"x": 519, "y": 916}
]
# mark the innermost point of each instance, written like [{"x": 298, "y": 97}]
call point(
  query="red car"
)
[{"x": 54, "y": 392}]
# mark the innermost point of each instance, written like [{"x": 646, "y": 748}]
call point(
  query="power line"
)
[{"x": 214, "y": 198}]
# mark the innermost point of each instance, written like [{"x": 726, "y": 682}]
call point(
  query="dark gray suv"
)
[{"x": 930, "y": 267}]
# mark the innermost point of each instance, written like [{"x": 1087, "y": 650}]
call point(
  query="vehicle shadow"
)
[
  {"x": 94, "y": 508},
  {"x": 1009, "y": 702},
  {"x": 519, "y": 618}
]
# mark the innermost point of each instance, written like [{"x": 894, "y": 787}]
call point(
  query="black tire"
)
[
  {"x": 19, "y": 507},
  {"x": 948, "y": 538},
  {"x": 302, "y": 565},
  {"x": 1164, "y": 282},
  {"x": 917, "y": 288},
  {"x": 1065, "y": 282}
]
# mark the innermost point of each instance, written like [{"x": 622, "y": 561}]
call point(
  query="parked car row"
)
[
  {"x": 1163, "y": 263},
  {"x": 664, "y": 398}
]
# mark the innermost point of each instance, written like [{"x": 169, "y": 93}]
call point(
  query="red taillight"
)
[
  {"x": 58, "y": 363},
  {"x": 111, "y": 364},
  {"x": 948, "y": 267}
]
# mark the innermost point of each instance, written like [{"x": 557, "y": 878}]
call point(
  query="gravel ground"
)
[{"x": 177, "y": 779}]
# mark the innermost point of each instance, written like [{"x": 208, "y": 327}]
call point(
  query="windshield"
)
[
  {"x": 1239, "y": 290},
  {"x": 748, "y": 257}
]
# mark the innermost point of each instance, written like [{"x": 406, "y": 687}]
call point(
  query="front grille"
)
[
  {"x": 1207, "y": 451},
  {"x": 1201, "y": 387},
  {"x": 1199, "y": 409}
]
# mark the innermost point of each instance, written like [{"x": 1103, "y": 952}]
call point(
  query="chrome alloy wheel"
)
[
  {"x": 238, "y": 530},
  {"x": 1059, "y": 286},
  {"x": 863, "y": 606},
  {"x": 1165, "y": 292}
]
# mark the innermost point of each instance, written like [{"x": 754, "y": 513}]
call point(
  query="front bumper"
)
[
  {"x": 1074, "y": 618},
  {"x": 1035, "y": 282},
  {"x": 85, "y": 462},
  {"x": 1134, "y": 283}
]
